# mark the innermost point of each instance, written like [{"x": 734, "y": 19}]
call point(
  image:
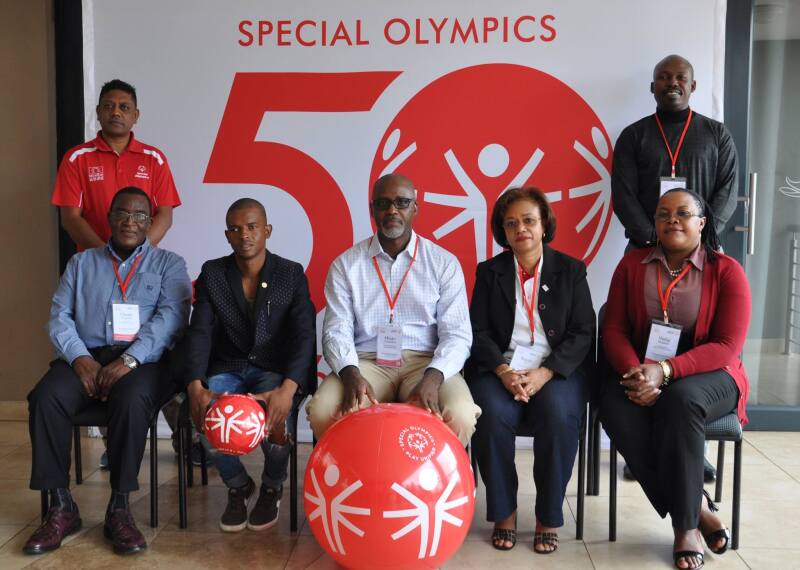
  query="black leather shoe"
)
[
  {"x": 58, "y": 524},
  {"x": 121, "y": 530},
  {"x": 709, "y": 472}
]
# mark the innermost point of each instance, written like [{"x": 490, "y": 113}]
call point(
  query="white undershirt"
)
[{"x": 521, "y": 334}]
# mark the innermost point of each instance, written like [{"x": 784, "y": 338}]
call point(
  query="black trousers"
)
[
  {"x": 131, "y": 404},
  {"x": 664, "y": 444},
  {"x": 554, "y": 417}
]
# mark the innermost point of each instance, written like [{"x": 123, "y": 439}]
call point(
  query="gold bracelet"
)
[{"x": 667, "y": 370}]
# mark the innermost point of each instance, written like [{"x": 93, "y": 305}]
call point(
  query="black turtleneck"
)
[{"x": 707, "y": 160}]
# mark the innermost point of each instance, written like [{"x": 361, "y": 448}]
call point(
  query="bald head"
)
[
  {"x": 393, "y": 179},
  {"x": 673, "y": 59}
]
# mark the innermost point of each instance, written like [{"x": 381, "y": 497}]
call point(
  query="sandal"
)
[
  {"x": 686, "y": 554},
  {"x": 547, "y": 539},
  {"x": 504, "y": 535},
  {"x": 714, "y": 536}
]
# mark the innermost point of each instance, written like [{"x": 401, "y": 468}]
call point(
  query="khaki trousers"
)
[{"x": 395, "y": 385}]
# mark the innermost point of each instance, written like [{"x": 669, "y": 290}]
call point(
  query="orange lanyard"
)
[
  {"x": 529, "y": 306},
  {"x": 664, "y": 295},
  {"x": 393, "y": 300},
  {"x": 123, "y": 286},
  {"x": 674, "y": 157}
]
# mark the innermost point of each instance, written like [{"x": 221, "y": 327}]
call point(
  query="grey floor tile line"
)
[{"x": 768, "y": 458}]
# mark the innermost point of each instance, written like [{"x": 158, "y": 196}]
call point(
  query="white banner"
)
[{"x": 303, "y": 104}]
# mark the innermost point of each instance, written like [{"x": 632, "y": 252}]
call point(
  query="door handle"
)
[{"x": 750, "y": 204}]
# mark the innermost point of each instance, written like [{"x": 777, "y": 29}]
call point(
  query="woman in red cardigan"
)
[{"x": 675, "y": 323}]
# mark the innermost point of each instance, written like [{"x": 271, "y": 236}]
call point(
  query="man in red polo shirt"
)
[{"x": 91, "y": 174}]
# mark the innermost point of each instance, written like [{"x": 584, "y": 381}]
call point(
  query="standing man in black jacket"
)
[
  {"x": 252, "y": 331},
  {"x": 675, "y": 147}
]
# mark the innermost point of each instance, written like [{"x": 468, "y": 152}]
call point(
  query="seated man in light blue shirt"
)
[{"x": 116, "y": 311}]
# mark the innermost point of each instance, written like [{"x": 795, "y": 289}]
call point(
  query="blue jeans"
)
[{"x": 253, "y": 380}]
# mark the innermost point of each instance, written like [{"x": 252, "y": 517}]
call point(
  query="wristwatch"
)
[
  {"x": 129, "y": 361},
  {"x": 666, "y": 368}
]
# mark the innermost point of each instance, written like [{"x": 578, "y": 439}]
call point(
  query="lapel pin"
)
[
  {"x": 545, "y": 287},
  {"x": 263, "y": 284}
]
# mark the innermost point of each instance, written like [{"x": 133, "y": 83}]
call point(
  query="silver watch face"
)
[{"x": 129, "y": 361}]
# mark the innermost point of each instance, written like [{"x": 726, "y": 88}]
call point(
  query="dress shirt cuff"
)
[
  {"x": 138, "y": 352},
  {"x": 340, "y": 364},
  {"x": 447, "y": 369},
  {"x": 73, "y": 353}
]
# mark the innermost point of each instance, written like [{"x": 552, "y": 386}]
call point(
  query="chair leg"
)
[
  {"x": 720, "y": 471},
  {"x": 474, "y": 463},
  {"x": 737, "y": 493},
  {"x": 182, "y": 476},
  {"x": 187, "y": 449},
  {"x": 595, "y": 464},
  {"x": 203, "y": 461},
  {"x": 293, "y": 489},
  {"x": 45, "y": 504},
  {"x": 589, "y": 452},
  {"x": 581, "y": 484},
  {"x": 612, "y": 495},
  {"x": 154, "y": 472},
  {"x": 76, "y": 445}
]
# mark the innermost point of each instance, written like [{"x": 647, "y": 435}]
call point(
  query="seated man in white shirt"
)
[{"x": 397, "y": 323}]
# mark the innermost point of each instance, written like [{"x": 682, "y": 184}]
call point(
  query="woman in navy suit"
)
[{"x": 533, "y": 326}]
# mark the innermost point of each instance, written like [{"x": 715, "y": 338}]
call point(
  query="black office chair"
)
[
  {"x": 524, "y": 432},
  {"x": 95, "y": 415},
  {"x": 726, "y": 428}
]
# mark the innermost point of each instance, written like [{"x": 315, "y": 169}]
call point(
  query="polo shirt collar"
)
[
  {"x": 697, "y": 258},
  {"x": 142, "y": 249},
  {"x": 375, "y": 248},
  {"x": 133, "y": 145}
]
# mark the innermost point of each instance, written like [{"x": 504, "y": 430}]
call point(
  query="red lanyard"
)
[
  {"x": 393, "y": 301},
  {"x": 123, "y": 286},
  {"x": 529, "y": 306},
  {"x": 674, "y": 157},
  {"x": 664, "y": 295}
]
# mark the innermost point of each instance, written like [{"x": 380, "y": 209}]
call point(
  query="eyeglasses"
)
[
  {"x": 682, "y": 215},
  {"x": 381, "y": 204},
  {"x": 512, "y": 225},
  {"x": 123, "y": 216}
]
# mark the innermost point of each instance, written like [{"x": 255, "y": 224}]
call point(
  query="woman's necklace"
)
[{"x": 675, "y": 272}]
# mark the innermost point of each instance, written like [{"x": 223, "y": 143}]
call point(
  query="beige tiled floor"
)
[{"x": 769, "y": 532}]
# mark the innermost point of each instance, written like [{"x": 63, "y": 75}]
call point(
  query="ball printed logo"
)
[
  {"x": 471, "y": 134},
  {"x": 417, "y": 443}
]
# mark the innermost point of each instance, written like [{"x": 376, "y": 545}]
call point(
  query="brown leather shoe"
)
[
  {"x": 57, "y": 525},
  {"x": 121, "y": 530}
]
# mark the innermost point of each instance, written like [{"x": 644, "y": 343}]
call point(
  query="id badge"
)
[
  {"x": 663, "y": 341},
  {"x": 390, "y": 345},
  {"x": 527, "y": 357},
  {"x": 125, "y": 318},
  {"x": 668, "y": 183}
]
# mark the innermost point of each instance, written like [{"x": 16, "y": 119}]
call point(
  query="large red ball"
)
[
  {"x": 389, "y": 487},
  {"x": 235, "y": 424}
]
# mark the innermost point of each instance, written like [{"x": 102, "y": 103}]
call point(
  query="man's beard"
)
[{"x": 393, "y": 232}]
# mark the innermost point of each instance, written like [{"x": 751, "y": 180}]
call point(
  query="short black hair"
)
[
  {"x": 244, "y": 203},
  {"x": 513, "y": 195},
  {"x": 133, "y": 191},
  {"x": 392, "y": 176},
  {"x": 708, "y": 235},
  {"x": 118, "y": 85}
]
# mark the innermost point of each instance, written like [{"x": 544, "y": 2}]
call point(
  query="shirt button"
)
[
  {"x": 551, "y": 332},
  {"x": 251, "y": 357},
  {"x": 109, "y": 323},
  {"x": 542, "y": 307}
]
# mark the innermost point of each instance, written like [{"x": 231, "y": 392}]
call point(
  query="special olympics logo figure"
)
[
  {"x": 417, "y": 443},
  {"x": 338, "y": 509},
  {"x": 226, "y": 421},
  {"x": 428, "y": 480}
]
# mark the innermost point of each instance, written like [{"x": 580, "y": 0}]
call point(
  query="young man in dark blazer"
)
[{"x": 252, "y": 331}]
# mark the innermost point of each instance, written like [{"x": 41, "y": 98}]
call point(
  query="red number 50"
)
[{"x": 237, "y": 158}]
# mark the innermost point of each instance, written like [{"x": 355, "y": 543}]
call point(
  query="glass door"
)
[{"x": 772, "y": 260}]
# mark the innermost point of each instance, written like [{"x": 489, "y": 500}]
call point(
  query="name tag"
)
[
  {"x": 668, "y": 183},
  {"x": 663, "y": 341},
  {"x": 527, "y": 357},
  {"x": 125, "y": 318},
  {"x": 390, "y": 345}
]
